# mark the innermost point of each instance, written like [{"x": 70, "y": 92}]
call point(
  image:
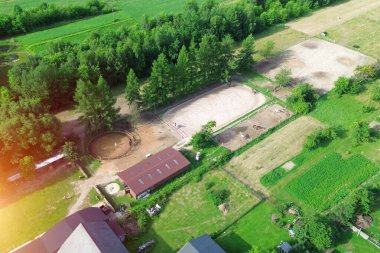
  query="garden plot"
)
[
  {"x": 248, "y": 130},
  {"x": 273, "y": 151},
  {"x": 315, "y": 61},
  {"x": 223, "y": 104}
]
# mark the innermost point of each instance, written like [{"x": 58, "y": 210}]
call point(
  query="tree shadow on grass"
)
[{"x": 231, "y": 242}]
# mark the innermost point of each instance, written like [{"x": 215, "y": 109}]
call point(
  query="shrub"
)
[
  {"x": 284, "y": 77},
  {"x": 303, "y": 98},
  {"x": 218, "y": 196},
  {"x": 320, "y": 137},
  {"x": 209, "y": 185},
  {"x": 376, "y": 93},
  {"x": 344, "y": 85},
  {"x": 272, "y": 177},
  {"x": 360, "y": 132},
  {"x": 202, "y": 139},
  {"x": 268, "y": 49}
]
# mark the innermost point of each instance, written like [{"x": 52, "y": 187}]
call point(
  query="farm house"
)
[{"x": 142, "y": 178}]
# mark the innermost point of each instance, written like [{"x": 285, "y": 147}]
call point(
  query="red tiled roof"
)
[{"x": 154, "y": 170}]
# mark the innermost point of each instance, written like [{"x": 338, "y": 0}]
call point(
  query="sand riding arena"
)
[
  {"x": 112, "y": 145},
  {"x": 223, "y": 104},
  {"x": 315, "y": 61}
]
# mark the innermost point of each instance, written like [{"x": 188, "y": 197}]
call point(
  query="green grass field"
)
[
  {"x": 8, "y": 5},
  {"x": 128, "y": 13},
  {"x": 35, "y": 213},
  {"x": 363, "y": 31},
  {"x": 354, "y": 243},
  {"x": 329, "y": 181},
  {"x": 190, "y": 213},
  {"x": 254, "y": 229}
]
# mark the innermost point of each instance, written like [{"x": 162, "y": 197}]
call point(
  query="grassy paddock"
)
[
  {"x": 330, "y": 180},
  {"x": 35, "y": 213},
  {"x": 253, "y": 229},
  {"x": 190, "y": 213},
  {"x": 363, "y": 31}
]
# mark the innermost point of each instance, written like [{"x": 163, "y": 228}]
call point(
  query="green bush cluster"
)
[
  {"x": 303, "y": 98},
  {"x": 355, "y": 84},
  {"x": 272, "y": 177},
  {"x": 320, "y": 137},
  {"x": 218, "y": 197}
]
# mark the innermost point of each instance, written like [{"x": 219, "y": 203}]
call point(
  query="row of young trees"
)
[{"x": 23, "y": 21}]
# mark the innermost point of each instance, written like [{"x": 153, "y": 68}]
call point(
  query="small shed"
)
[{"x": 284, "y": 247}]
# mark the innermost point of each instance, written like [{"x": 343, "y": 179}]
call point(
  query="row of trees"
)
[
  {"x": 23, "y": 21},
  {"x": 113, "y": 54}
]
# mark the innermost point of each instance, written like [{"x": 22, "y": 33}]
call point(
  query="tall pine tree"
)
[
  {"x": 132, "y": 89},
  {"x": 96, "y": 103}
]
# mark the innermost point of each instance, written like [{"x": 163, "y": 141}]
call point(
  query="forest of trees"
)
[
  {"x": 23, "y": 21},
  {"x": 179, "y": 54}
]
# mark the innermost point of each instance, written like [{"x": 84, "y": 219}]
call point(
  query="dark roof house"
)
[
  {"x": 285, "y": 247},
  {"x": 202, "y": 244},
  {"x": 154, "y": 171},
  {"x": 52, "y": 240}
]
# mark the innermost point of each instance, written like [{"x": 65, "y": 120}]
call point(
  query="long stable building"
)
[{"x": 154, "y": 171}]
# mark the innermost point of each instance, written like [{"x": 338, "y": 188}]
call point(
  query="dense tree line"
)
[{"x": 23, "y": 21}]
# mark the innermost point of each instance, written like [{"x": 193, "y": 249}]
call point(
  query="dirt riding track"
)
[
  {"x": 110, "y": 145},
  {"x": 248, "y": 130},
  {"x": 315, "y": 61},
  {"x": 222, "y": 104},
  {"x": 329, "y": 17}
]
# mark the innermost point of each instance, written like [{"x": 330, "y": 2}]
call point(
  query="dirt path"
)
[{"x": 329, "y": 17}]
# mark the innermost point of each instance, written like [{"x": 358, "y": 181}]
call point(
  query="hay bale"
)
[{"x": 275, "y": 218}]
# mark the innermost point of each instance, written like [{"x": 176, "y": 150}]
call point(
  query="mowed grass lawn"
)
[
  {"x": 363, "y": 31},
  {"x": 254, "y": 229},
  {"x": 35, "y": 213},
  {"x": 190, "y": 213},
  {"x": 329, "y": 181}
]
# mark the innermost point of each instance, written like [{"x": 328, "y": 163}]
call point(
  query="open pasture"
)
[
  {"x": 330, "y": 180},
  {"x": 223, "y": 104},
  {"x": 248, "y": 130},
  {"x": 128, "y": 12},
  {"x": 332, "y": 16},
  {"x": 315, "y": 61},
  {"x": 190, "y": 213},
  {"x": 363, "y": 32},
  {"x": 273, "y": 151}
]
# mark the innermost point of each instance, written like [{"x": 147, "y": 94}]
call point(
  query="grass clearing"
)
[
  {"x": 273, "y": 151},
  {"x": 363, "y": 31},
  {"x": 35, "y": 213},
  {"x": 8, "y": 5},
  {"x": 254, "y": 229},
  {"x": 329, "y": 181},
  {"x": 283, "y": 37},
  {"x": 190, "y": 213},
  {"x": 355, "y": 243}
]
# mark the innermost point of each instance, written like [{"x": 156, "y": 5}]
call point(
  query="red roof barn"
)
[{"x": 154, "y": 171}]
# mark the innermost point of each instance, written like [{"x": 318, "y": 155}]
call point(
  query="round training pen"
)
[{"x": 110, "y": 145}]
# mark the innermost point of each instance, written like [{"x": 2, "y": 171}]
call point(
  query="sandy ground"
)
[
  {"x": 270, "y": 153},
  {"x": 315, "y": 61},
  {"x": 222, "y": 104},
  {"x": 154, "y": 136},
  {"x": 327, "y": 18},
  {"x": 110, "y": 146},
  {"x": 248, "y": 130}
]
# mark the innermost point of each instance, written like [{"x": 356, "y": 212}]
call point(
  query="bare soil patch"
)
[
  {"x": 329, "y": 17},
  {"x": 248, "y": 130},
  {"x": 273, "y": 151},
  {"x": 223, "y": 104},
  {"x": 289, "y": 165},
  {"x": 315, "y": 61},
  {"x": 110, "y": 145}
]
